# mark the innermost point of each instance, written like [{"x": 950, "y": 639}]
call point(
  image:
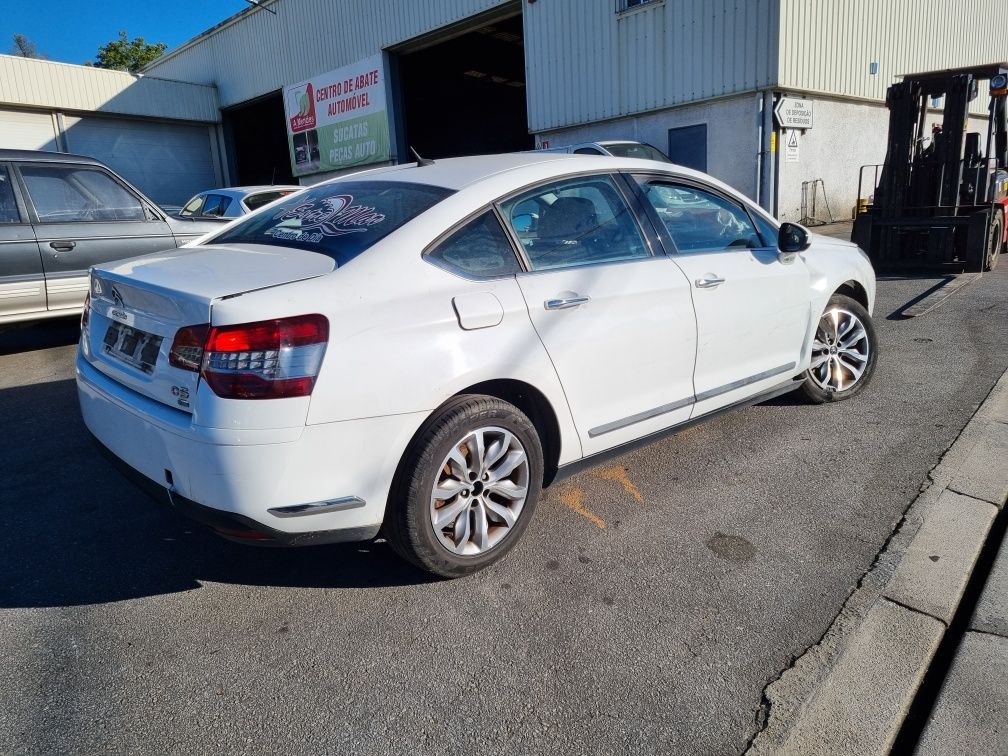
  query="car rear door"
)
[
  {"x": 22, "y": 282},
  {"x": 616, "y": 318},
  {"x": 84, "y": 215},
  {"x": 752, "y": 310}
]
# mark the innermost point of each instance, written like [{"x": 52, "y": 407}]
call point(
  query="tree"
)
[
  {"x": 25, "y": 48},
  {"x": 128, "y": 55}
]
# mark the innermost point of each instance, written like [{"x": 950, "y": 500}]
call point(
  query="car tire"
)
[
  {"x": 484, "y": 457},
  {"x": 833, "y": 375}
]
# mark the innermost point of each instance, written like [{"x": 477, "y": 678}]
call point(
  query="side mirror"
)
[{"x": 791, "y": 240}]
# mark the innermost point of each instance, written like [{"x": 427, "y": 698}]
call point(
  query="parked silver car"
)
[
  {"x": 59, "y": 215},
  {"x": 234, "y": 202}
]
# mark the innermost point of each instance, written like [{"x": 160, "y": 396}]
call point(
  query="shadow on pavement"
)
[
  {"x": 43, "y": 334},
  {"x": 76, "y": 532}
]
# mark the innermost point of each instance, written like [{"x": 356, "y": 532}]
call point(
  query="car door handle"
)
[
  {"x": 563, "y": 304},
  {"x": 63, "y": 246},
  {"x": 709, "y": 281}
]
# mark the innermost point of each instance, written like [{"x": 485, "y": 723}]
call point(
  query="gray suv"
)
[{"x": 59, "y": 215}]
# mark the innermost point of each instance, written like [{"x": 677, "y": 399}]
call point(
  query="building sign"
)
[
  {"x": 338, "y": 119},
  {"x": 794, "y": 113},
  {"x": 792, "y": 152}
]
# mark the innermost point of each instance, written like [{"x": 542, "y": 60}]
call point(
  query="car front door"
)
[
  {"x": 752, "y": 310},
  {"x": 615, "y": 318},
  {"x": 83, "y": 216},
  {"x": 22, "y": 283}
]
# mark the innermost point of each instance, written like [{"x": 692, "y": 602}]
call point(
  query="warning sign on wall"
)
[{"x": 791, "y": 148}]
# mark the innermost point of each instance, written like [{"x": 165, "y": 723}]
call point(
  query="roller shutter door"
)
[
  {"x": 169, "y": 162},
  {"x": 20, "y": 130}
]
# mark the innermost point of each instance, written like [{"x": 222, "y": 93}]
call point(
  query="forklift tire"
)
[{"x": 995, "y": 241}]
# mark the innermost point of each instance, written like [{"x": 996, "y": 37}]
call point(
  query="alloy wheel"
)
[
  {"x": 480, "y": 491},
  {"x": 840, "y": 350}
]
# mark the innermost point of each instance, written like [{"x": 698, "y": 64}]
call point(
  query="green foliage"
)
[
  {"x": 124, "y": 54},
  {"x": 25, "y": 48}
]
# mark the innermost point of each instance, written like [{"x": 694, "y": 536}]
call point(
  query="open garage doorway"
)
[
  {"x": 257, "y": 133},
  {"x": 465, "y": 94}
]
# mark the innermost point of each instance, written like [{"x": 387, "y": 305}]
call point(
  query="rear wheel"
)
[
  {"x": 467, "y": 488},
  {"x": 995, "y": 240},
  {"x": 844, "y": 351}
]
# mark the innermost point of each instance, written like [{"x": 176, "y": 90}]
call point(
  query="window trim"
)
[
  {"x": 425, "y": 255},
  {"x": 621, "y": 189},
  {"x": 19, "y": 204},
  {"x": 33, "y": 215},
  {"x": 659, "y": 226}
]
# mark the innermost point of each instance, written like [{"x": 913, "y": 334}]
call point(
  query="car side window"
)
[
  {"x": 478, "y": 249},
  {"x": 193, "y": 206},
  {"x": 700, "y": 221},
  {"x": 588, "y": 151},
  {"x": 63, "y": 194},
  {"x": 767, "y": 230},
  {"x": 8, "y": 205},
  {"x": 581, "y": 221},
  {"x": 216, "y": 205}
]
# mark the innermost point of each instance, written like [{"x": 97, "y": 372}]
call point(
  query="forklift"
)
[{"x": 941, "y": 197}]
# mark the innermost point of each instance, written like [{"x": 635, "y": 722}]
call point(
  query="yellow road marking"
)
[
  {"x": 572, "y": 497},
  {"x": 618, "y": 474}
]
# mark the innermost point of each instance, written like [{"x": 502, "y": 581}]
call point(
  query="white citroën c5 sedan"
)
[{"x": 417, "y": 350}]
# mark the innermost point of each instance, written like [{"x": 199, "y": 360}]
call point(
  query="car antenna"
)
[{"x": 421, "y": 162}]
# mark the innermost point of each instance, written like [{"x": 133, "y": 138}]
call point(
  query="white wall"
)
[{"x": 732, "y": 131}]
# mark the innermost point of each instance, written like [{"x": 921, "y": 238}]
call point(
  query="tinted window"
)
[
  {"x": 701, "y": 221},
  {"x": 575, "y": 222},
  {"x": 636, "y": 150},
  {"x": 255, "y": 201},
  {"x": 8, "y": 205},
  {"x": 216, "y": 205},
  {"x": 192, "y": 207},
  {"x": 340, "y": 220},
  {"x": 588, "y": 151},
  {"x": 71, "y": 193},
  {"x": 480, "y": 248}
]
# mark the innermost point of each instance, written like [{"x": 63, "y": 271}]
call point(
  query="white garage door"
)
[
  {"x": 27, "y": 131},
  {"x": 168, "y": 162}
]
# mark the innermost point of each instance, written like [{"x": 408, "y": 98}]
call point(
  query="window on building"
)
[
  {"x": 625, "y": 5},
  {"x": 687, "y": 146},
  {"x": 479, "y": 249}
]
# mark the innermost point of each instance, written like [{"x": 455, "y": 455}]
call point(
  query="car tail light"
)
[
  {"x": 270, "y": 359},
  {"x": 86, "y": 315}
]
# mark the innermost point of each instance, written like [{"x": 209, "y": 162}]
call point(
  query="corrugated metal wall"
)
[
  {"x": 61, "y": 86},
  {"x": 257, "y": 52},
  {"x": 829, "y": 45},
  {"x": 586, "y": 61}
]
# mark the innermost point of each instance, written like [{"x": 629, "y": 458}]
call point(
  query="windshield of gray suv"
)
[
  {"x": 340, "y": 220},
  {"x": 636, "y": 150}
]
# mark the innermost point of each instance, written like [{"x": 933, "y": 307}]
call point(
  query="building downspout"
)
[{"x": 767, "y": 153}]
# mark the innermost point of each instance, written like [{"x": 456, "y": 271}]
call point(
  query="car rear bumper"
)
[{"x": 287, "y": 486}]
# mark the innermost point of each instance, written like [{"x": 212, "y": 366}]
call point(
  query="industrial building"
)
[{"x": 305, "y": 89}]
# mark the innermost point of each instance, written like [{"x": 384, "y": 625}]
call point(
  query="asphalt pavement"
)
[{"x": 646, "y": 609}]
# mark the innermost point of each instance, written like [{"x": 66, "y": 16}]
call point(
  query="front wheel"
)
[
  {"x": 844, "y": 352},
  {"x": 467, "y": 487}
]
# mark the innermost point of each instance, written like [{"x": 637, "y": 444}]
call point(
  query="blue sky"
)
[{"x": 72, "y": 30}]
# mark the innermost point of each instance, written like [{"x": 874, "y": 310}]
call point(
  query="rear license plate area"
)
[{"x": 136, "y": 348}]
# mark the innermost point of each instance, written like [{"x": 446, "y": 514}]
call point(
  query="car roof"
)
[
  {"x": 245, "y": 191},
  {"x": 47, "y": 157}
]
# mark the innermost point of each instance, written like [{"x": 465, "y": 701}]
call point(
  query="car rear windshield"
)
[
  {"x": 255, "y": 201},
  {"x": 340, "y": 220},
  {"x": 637, "y": 150}
]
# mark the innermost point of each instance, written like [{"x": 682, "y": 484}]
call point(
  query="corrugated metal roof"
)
[
  {"x": 63, "y": 86},
  {"x": 255, "y": 52}
]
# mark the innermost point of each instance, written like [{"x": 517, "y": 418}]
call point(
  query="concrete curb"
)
[{"x": 850, "y": 692}]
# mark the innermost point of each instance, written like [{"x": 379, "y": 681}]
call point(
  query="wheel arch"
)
[{"x": 855, "y": 291}]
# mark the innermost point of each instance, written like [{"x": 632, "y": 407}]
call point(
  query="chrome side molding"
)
[{"x": 318, "y": 507}]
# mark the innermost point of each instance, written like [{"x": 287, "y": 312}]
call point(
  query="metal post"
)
[{"x": 767, "y": 167}]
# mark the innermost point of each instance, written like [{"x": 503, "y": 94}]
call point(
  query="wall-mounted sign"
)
[
  {"x": 792, "y": 149},
  {"x": 794, "y": 113},
  {"x": 338, "y": 119}
]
